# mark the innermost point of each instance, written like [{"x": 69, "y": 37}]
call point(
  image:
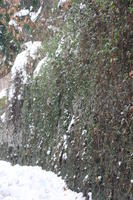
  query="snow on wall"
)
[
  {"x": 42, "y": 63},
  {"x": 21, "y": 63},
  {"x": 71, "y": 123}
]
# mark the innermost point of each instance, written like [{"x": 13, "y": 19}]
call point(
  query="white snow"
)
[
  {"x": 71, "y": 123},
  {"x": 64, "y": 156},
  {"x": 62, "y": 2},
  {"x": 3, "y": 93},
  {"x": 99, "y": 178},
  {"x": 86, "y": 178},
  {"x": 84, "y": 132},
  {"x": 21, "y": 62},
  {"x": 60, "y": 45},
  {"x": 42, "y": 63},
  {"x": 31, "y": 8},
  {"x": 3, "y": 117},
  {"x": 32, "y": 183},
  {"x": 82, "y": 6},
  {"x": 37, "y": 70},
  {"x": 90, "y": 195},
  {"x": 53, "y": 28},
  {"x": 34, "y": 15},
  {"x": 12, "y": 22},
  {"x": 22, "y": 13},
  {"x": 65, "y": 145},
  {"x": 48, "y": 152}
]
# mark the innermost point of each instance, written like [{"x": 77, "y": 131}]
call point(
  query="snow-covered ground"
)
[{"x": 32, "y": 183}]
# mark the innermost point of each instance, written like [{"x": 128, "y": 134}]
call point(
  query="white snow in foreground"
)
[{"x": 32, "y": 183}]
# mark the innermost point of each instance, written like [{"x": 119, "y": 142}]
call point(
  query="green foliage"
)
[
  {"x": 34, "y": 3},
  {"x": 8, "y": 49},
  {"x": 49, "y": 101},
  {"x": 50, "y": 45},
  {"x": 2, "y": 103}
]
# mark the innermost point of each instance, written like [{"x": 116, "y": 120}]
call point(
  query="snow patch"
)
[
  {"x": 32, "y": 183},
  {"x": 82, "y": 6},
  {"x": 34, "y": 15},
  {"x": 22, "y": 13},
  {"x": 99, "y": 178},
  {"x": 60, "y": 47},
  {"x": 41, "y": 63},
  {"x": 3, "y": 93},
  {"x": 64, "y": 156},
  {"x": 21, "y": 62},
  {"x": 3, "y": 117},
  {"x": 85, "y": 178},
  {"x": 90, "y": 195},
  {"x": 53, "y": 28},
  {"x": 12, "y": 22},
  {"x": 71, "y": 124},
  {"x": 62, "y": 2},
  {"x": 119, "y": 163},
  {"x": 84, "y": 132}
]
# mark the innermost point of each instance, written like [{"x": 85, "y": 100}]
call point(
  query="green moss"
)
[{"x": 2, "y": 103}]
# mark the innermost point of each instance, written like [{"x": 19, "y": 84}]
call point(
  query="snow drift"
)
[{"x": 32, "y": 183}]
